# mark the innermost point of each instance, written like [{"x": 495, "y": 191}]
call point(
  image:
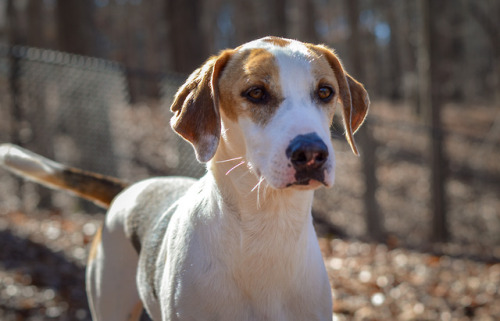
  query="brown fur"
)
[
  {"x": 277, "y": 41},
  {"x": 136, "y": 312},
  {"x": 256, "y": 67},
  {"x": 196, "y": 106},
  {"x": 353, "y": 110},
  {"x": 360, "y": 103},
  {"x": 95, "y": 243},
  {"x": 97, "y": 188}
]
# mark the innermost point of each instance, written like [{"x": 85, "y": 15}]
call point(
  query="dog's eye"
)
[
  {"x": 256, "y": 94},
  {"x": 325, "y": 93}
]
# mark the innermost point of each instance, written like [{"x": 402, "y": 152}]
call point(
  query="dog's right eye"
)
[
  {"x": 325, "y": 93},
  {"x": 256, "y": 95}
]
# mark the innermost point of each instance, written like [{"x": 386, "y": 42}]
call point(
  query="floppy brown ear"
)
[
  {"x": 360, "y": 103},
  {"x": 196, "y": 108},
  {"x": 354, "y": 97}
]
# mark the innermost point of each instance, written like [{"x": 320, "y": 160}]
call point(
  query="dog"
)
[{"x": 239, "y": 243}]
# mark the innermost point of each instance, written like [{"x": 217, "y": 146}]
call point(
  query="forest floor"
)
[
  {"x": 43, "y": 252},
  {"x": 43, "y": 256}
]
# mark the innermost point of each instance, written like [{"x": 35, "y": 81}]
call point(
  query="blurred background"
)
[{"x": 89, "y": 83}]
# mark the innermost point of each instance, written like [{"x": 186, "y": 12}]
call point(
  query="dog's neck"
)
[
  {"x": 252, "y": 199},
  {"x": 275, "y": 227}
]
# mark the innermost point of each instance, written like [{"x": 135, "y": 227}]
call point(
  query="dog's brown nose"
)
[{"x": 307, "y": 152}]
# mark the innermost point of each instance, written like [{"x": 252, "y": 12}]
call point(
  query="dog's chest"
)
[{"x": 233, "y": 275}]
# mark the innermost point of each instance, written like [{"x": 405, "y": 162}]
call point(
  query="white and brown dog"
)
[{"x": 239, "y": 243}]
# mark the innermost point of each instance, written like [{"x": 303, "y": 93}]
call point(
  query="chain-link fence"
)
[{"x": 76, "y": 109}]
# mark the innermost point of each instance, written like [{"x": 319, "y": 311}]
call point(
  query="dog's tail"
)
[{"x": 94, "y": 187}]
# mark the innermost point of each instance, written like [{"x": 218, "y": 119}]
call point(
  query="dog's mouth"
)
[
  {"x": 307, "y": 183},
  {"x": 304, "y": 178},
  {"x": 312, "y": 179},
  {"x": 304, "y": 182}
]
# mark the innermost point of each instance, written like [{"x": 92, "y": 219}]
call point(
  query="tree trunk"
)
[
  {"x": 430, "y": 102},
  {"x": 37, "y": 114},
  {"x": 491, "y": 29},
  {"x": 185, "y": 35},
  {"x": 407, "y": 53},
  {"x": 36, "y": 18},
  {"x": 279, "y": 23},
  {"x": 394, "y": 79},
  {"x": 309, "y": 33},
  {"x": 76, "y": 30},
  {"x": 373, "y": 218},
  {"x": 16, "y": 114},
  {"x": 77, "y": 34}
]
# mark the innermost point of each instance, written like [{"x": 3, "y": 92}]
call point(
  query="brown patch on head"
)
[
  {"x": 324, "y": 76},
  {"x": 252, "y": 68},
  {"x": 280, "y": 42}
]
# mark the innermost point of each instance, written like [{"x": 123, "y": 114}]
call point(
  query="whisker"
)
[
  {"x": 258, "y": 184},
  {"x": 258, "y": 197},
  {"x": 229, "y": 160},
  {"x": 234, "y": 167}
]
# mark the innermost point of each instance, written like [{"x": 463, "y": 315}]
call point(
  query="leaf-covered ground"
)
[{"x": 43, "y": 255}]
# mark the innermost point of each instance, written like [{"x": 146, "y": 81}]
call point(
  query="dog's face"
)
[{"x": 272, "y": 101}]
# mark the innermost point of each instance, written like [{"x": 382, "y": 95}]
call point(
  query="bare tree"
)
[
  {"x": 430, "y": 101},
  {"x": 394, "y": 76},
  {"x": 373, "y": 218},
  {"x": 278, "y": 25},
  {"x": 36, "y": 19},
  {"x": 36, "y": 109},
  {"x": 405, "y": 33},
  {"x": 76, "y": 33},
  {"x": 309, "y": 19},
  {"x": 185, "y": 34},
  {"x": 488, "y": 20},
  {"x": 15, "y": 37}
]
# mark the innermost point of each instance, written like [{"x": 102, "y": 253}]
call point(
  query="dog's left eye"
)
[{"x": 325, "y": 93}]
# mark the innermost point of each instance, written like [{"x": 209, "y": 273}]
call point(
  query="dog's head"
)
[{"x": 271, "y": 102}]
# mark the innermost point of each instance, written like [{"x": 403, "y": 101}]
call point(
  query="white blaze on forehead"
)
[
  {"x": 293, "y": 49},
  {"x": 295, "y": 77}
]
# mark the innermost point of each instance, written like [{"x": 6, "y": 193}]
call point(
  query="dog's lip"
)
[
  {"x": 306, "y": 182},
  {"x": 306, "y": 176}
]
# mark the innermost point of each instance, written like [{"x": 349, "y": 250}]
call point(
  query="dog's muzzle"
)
[{"x": 308, "y": 155}]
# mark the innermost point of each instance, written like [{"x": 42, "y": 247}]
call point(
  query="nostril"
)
[
  {"x": 321, "y": 157},
  {"x": 307, "y": 152},
  {"x": 299, "y": 157}
]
